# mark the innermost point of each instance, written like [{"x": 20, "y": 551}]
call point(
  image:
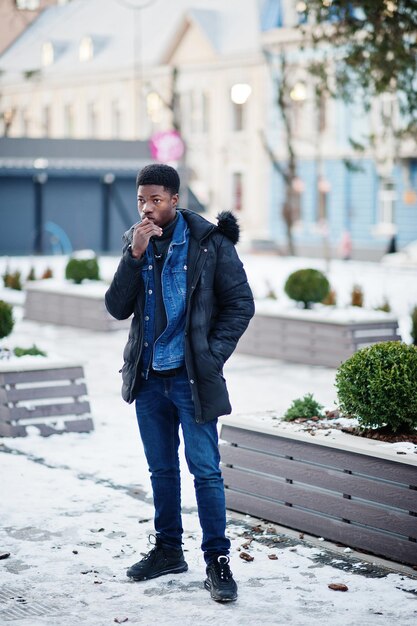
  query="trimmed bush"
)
[
  {"x": 82, "y": 269},
  {"x": 6, "y": 319},
  {"x": 306, "y": 407},
  {"x": 307, "y": 286},
  {"x": 12, "y": 280},
  {"x": 377, "y": 385}
]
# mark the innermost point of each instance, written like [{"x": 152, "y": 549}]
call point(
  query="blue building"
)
[{"x": 369, "y": 197}]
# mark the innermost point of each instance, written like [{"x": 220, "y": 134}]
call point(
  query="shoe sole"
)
[
  {"x": 207, "y": 585},
  {"x": 173, "y": 570}
]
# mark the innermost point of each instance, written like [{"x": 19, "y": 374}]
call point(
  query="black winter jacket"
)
[{"x": 219, "y": 308}]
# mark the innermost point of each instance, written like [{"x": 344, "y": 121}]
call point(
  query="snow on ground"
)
[{"x": 76, "y": 508}]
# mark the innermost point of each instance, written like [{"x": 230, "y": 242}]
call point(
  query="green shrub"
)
[
  {"x": 385, "y": 306},
  {"x": 6, "y": 319},
  {"x": 378, "y": 386},
  {"x": 414, "y": 325},
  {"x": 33, "y": 351},
  {"x": 307, "y": 286},
  {"x": 12, "y": 280},
  {"x": 6, "y": 277},
  {"x": 306, "y": 407},
  {"x": 31, "y": 275},
  {"x": 82, "y": 269}
]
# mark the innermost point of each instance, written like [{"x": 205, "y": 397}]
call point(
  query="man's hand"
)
[{"x": 141, "y": 235}]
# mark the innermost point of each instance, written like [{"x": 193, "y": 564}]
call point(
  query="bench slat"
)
[
  {"x": 45, "y": 410},
  {"x": 37, "y": 393}
]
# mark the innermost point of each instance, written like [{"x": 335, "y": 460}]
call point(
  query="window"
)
[
  {"x": 154, "y": 107},
  {"x": 237, "y": 191},
  {"x": 92, "y": 120},
  {"x": 115, "y": 120},
  {"x": 387, "y": 198},
  {"x": 69, "y": 120},
  {"x": 47, "y": 53},
  {"x": 322, "y": 114},
  {"x": 205, "y": 113},
  {"x": 86, "y": 49},
  {"x": 27, "y": 5},
  {"x": 24, "y": 123},
  {"x": 194, "y": 108},
  {"x": 323, "y": 190},
  {"x": 272, "y": 15},
  {"x": 238, "y": 114},
  {"x": 239, "y": 94},
  {"x": 46, "y": 120}
]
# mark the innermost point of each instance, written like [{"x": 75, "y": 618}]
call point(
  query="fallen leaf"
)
[
  {"x": 75, "y": 551},
  {"x": 246, "y": 545},
  {"x": 273, "y": 557},
  {"x": 257, "y": 529},
  {"x": 338, "y": 587},
  {"x": 301, "y": 535},
  {"x": 246, "y": 557},
  {"x": 4, "y": 555},
  {"x": 121, "y": 620}
]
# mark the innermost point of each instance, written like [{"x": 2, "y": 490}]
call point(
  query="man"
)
[{"x": 181, "y": 278}]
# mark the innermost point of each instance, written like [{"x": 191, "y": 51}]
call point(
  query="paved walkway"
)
[{"x": 76, "y": 511}]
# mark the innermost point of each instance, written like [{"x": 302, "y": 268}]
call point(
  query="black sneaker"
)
[
  {"x": 220, "y": 581},
  {"x": 159, "y": 561}
]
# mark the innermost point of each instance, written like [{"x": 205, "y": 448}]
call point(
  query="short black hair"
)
[{"x": 159, "y": 174}]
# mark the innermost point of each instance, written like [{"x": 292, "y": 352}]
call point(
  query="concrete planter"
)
[
  {"x": 67, "y": 304},
  {"x": 37, "y": 392},
  {"x": 315, "y": 337},
  {"x": 347, "y": 489}
]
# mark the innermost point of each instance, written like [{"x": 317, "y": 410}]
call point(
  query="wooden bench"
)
[{"x": 50, "y": 397}]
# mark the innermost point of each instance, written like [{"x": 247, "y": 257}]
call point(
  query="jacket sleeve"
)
[
  {"x": 125, "y": 287},
  {"x": 234, "y": 300}
]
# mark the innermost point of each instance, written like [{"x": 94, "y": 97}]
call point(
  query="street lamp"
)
[
  {"x": 299, "y": 92},
  {"x": 137, "y": 7},
  {"x": 240, "y": 93}
]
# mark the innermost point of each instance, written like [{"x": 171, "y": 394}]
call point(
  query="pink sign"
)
[{"x": 166, "y": 146}]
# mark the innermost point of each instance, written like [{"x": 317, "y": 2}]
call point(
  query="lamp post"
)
[
  {"x": 137, "y": 6},
  {"x": 39, "y": 180}
]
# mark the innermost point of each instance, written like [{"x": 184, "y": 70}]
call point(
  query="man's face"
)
[{"x": 157, "y": 204}]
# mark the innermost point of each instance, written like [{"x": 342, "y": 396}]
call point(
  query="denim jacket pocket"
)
[{"x": 179, "y": 275}]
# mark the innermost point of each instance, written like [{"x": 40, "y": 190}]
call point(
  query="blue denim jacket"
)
[{"x": 167, "y": 350}]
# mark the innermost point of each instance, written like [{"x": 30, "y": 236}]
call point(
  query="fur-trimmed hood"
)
[
  {"x": 228, "y": 225},
  {"x": 200, "y": 228}
]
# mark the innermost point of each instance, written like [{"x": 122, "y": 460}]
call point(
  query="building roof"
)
[
  {"x": 69, "y": 155},
  {"x": 123, "y": 36}
]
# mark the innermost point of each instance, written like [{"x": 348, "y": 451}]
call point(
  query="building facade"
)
[{"x": 210, "y": 69}]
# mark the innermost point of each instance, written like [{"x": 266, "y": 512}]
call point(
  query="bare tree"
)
[{"x": 280, "y": 73}]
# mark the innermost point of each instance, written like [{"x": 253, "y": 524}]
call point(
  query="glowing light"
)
[
  {"x": 299, "y": 92},
  {"x": 240, "y": 92}
]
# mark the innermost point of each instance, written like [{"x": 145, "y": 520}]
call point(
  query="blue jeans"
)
[{"x": 162, "y": 404}]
